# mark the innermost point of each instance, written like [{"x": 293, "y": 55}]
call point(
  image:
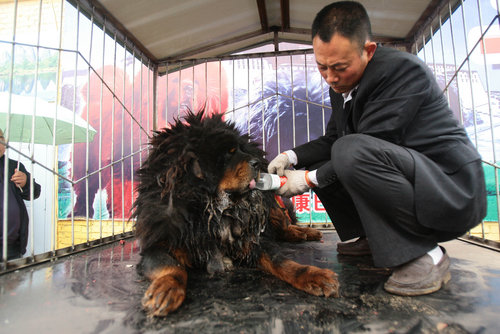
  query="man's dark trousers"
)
[{"x": 374, "y": 197}]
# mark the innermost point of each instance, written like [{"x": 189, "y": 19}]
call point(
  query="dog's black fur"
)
[{"x": 197, "y": 208}]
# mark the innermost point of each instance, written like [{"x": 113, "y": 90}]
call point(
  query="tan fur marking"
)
[
  {"x": 237, "y": 178},
  {"x": 169, "y": 270}
]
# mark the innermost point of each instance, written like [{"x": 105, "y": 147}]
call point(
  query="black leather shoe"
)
[
  {"x": 359, "y": 247},
  {"x": 420, "y": 276}
]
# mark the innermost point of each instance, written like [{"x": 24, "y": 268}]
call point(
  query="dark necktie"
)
[{"x": 348, "y": 113}]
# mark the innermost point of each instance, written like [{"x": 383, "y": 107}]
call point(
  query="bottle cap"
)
[{"x": 275, "y": 181}]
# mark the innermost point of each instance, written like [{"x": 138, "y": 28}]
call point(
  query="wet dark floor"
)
[{"x": 98, "y": 291}]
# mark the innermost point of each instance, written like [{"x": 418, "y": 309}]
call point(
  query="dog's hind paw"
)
[{"x": 311, "y": 233}]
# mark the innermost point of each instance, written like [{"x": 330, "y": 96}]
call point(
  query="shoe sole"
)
[{"x": 419, "y": 292}]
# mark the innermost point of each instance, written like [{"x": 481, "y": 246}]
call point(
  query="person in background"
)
[
  {"x": 395, "y": 171},
  {"x": 18, "y": 189}
]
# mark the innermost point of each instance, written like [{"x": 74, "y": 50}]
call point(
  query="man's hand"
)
[
  {"x": 279, "y": 164},
  {"x": 295, "y": 185},
  {"x": 19, "y": 178}
]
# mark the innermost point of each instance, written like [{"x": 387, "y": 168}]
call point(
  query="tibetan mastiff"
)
[{"x": 197, "y": 207}]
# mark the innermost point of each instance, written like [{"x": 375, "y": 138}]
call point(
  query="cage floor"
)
[{"x": 98, "y": 291}]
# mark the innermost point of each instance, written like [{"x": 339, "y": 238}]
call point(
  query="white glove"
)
[
  {"x": 296, "y": 184},
  {"x": 279, "y": 164}
]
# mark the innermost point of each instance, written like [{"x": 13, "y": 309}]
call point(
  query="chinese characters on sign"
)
[{"x": 309, "y": 209}]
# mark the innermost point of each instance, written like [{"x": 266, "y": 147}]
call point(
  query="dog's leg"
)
[
  {"x": 293, "y": 233},
  {"x": 311, "y": 279},
  {"x": 168, "y": 282}
]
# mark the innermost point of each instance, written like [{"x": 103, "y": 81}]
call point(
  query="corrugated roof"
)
[{"x": 173, "y": 29}]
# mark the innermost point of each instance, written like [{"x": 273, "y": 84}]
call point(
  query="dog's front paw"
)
[
  {"x": 318, "y": 282},
  {"x": 164, "y": 295}
]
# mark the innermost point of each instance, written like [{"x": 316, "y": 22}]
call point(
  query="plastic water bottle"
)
[{"x": 270, "y": 181}]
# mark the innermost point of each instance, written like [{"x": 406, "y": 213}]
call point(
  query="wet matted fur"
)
[{"x": 197, "y": 208}]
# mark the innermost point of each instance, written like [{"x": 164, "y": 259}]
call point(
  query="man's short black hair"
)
[{"x": 347, "y": 18}]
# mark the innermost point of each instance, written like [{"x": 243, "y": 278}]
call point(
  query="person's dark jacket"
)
[
  {"x": 20, "y": 196},
  {"x": 399, "y": 100}
]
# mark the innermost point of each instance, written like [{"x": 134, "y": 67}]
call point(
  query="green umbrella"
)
[{"x": 24, "y": 108}]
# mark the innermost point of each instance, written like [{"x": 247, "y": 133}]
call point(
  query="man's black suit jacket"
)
[{"x": 399, "y": 100}]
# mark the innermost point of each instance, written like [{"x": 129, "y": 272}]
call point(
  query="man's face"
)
[{"x": 340, "y": 61}]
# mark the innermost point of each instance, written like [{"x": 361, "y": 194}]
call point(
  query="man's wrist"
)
[
  {"x": 292, "y": 157},
  {"x": 311, "y": 178}
]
